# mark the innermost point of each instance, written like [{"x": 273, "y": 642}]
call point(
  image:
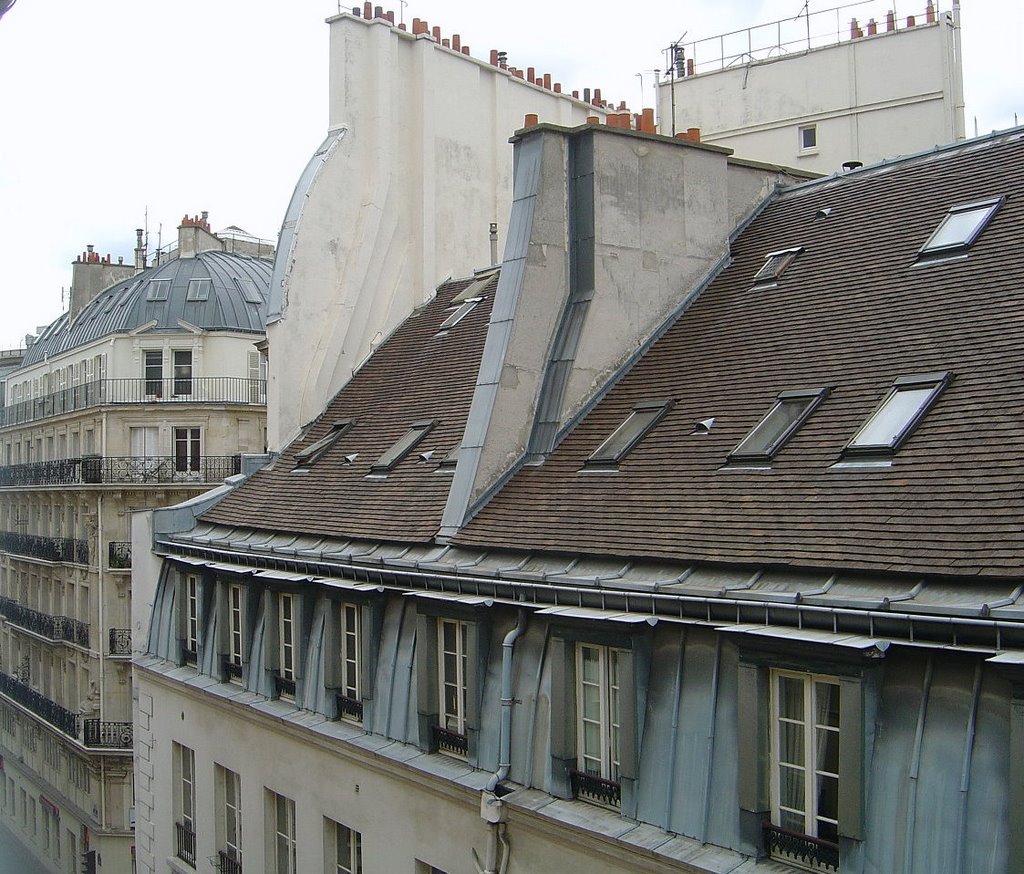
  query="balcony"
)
[
  {"x": 185, "y": 843},
  {"x": 349, "y": 708},
  {"x": 119, "y": 555},
  {"x": 808, "y": 852},
  {"x": 47, "y": 710},
  {"x": 64, "y": 549},
  {"x": 590, "y": 787},
  {"x": 187, "y": 390},
  {"x": 285, "y": 686},
  {"x": 107, "y": 735},
  {"x": 232, "y": 670},
  {"x": 450, "y": 742},
  {"x": 227, "y": 863},
  {"x": 97, "y": 469},
  {"x": 120, "y": 641},
  {"x": 60, "y": 629}
]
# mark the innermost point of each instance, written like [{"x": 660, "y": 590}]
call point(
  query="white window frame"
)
[
  {"x": 236, "y": 627},
  {"x": 182, "y": 373},
  {"x": 286, "y": 635},
  {"x": 810, "y": 729},
  {"x": 350, "y": 641},
  {"x": 192, "y": 612},
  {"x": 345, "y": 845},
  {"x": 599, "y": 756},
  {"x": 453, "y": 718},
  {"x": 802, "y": 140},
  {"x": 283, "y": 842},
  {"x": 189, "y": 439},
  {"x": 229, "y": 840}
]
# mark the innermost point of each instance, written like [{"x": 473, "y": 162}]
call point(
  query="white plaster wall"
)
[
  {"x": 871, "y": 98},
  {"x": 403, "y": 202}
]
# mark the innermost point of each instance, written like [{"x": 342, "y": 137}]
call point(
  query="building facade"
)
[
  {"x": 147, "y": 391},
  {"x": 856, "y": 83}
]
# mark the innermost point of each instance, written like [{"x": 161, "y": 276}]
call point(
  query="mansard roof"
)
[
  {"x": 124, "y": 306},
  {"x": 420, "y": 375},
  {"x": 858, "y": 308}
]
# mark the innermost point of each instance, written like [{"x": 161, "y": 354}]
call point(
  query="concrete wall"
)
[
  {"x": 402, "y": 201},
  {"x": 870, "y": 98}
]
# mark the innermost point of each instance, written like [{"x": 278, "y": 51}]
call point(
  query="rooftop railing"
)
[
  {"x": 55, "y": 628},
  {"x": 98, "y": 469},
  {"x": 64, "y": 549},
  {"x": 181, "y": 390}
]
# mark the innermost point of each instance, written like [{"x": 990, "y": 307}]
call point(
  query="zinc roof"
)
[{"x": 852, "y": 313}]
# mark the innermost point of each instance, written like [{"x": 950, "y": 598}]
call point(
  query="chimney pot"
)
[
  {"x": 872, "y": 27},
  {"x": 465, "y": 50},
  {"x": 689, "y": 67},
  {"x": 531, "y": 120},
  {"x": 355, "y": 11},
  {"x": 367, "y": 10},
  {"x": 547, "y": 81},
  {"x": 694, "y": 134},
  {"x": 390, "y": 16},
  {"x": 378, "y": 11},
  {"x": 558, "y": 87},
  {"x": 576, "y": 95},
  {"x": 890, "y": 21},
  {"x": 446, "y": 43},
  {"x": 531, "y": 74},
  {"x": 593, "y": 119},
  {"x": 456, "y": 42},
  {"x": 437, "y": 34},
  {"x": 494, "y": 57},
  {"x": 911, "y": 21},
  {"x": 929, "y": 12}
]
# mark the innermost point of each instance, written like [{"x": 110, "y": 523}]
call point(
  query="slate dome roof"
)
[{"x": 236, "y": 300}]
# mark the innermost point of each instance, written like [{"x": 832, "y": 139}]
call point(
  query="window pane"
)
[
  {"x": 770, "y": 431},
  {"x": 826, "y": 697},
  {"x": 791, "y": 698},
  {"x": 629, "y": 432},
  {"x": 791, "y": 743},
  {"x": 892, "y": 419},
  {"x": 958, "y": 228},
  {"x": 791, "y": 790},
  {"x": 828, "y": 797}
]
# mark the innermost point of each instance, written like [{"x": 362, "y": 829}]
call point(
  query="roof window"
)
[
  {"x": 460, "y": 313},
  {"x": 908, "y": 400},
  {"x": 775, "y": 263},
  {"x": 306, "y": 458},
  {"x": 959, "y": 228},
  {"x": 402, "y": 447},
  {"x": 250, "y": 294},
  {"x": 158, "y": 289},
  {"x": 791, "y": 410},
  {"x": 198, "y": 289},
  {"x": 642, "y": 419}
]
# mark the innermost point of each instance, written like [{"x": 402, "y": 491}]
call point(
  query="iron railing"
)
[
  {"x": 231, "y": 670},
  {"x": 119, "y": 555},
  {"x": 55, "y": 628},
  {"x": 120, "y": 642},
  {"x": 818, "y": 854},
  {"x": 590, "y": 787},
  {"x": 64, "y": 549},
  {"x": 98, "y": 469},
  {"x": 351, "y": 707},
  {"x": 228, "y": 864},
  {"x": 446, "y": 741},
  {"x": 185, "y": 843},
  {"x": 188, "y": 390},
  {"x": 284, "y": 686},
  {"x": 107, "y": 735},
  {"x": 50, "y": 711}
]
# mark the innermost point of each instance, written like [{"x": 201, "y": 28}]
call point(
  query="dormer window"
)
[
  {"x": 960, "y": 227},
  {"x": 198, "y": 289},
  {"x": 158, "y": 289},
  {"x": 775, "y": 263},
  {"x": 306, "y": 458},
  {"x": 250, "y": 294},
  {"x": 642, "y": 419},
  {"x": 403, "y": 446},
  {"x": 906, "y": 404},
  {"x": 791, "y": 410}
]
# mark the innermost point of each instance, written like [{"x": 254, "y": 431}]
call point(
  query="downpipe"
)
[{"x": 492, "y": 809}]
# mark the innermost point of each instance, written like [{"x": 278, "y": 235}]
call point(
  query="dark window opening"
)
[{"x": 306, "y": 458}]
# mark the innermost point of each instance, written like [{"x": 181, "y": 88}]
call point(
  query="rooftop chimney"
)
[
  {"x": 195, "y": 236},
  {"x": 91, "y": 274}
]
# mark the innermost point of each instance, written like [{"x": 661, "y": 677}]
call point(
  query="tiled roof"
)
[
  {"x": 414, "y": 375},
  {"x": 851, "y": 313}
]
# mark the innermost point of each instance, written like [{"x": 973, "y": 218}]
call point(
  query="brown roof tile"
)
[
  {"x": 852, "y": 313},
  {"x": 414, "y": 375}
]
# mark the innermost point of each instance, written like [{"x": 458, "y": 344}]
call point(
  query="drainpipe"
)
[{"x": 491, "y": 806}]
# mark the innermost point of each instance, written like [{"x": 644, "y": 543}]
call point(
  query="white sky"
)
[{"x": 111, "y": 108}]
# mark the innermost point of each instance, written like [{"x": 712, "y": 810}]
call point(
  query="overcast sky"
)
[{"x": 115, "y": 109}]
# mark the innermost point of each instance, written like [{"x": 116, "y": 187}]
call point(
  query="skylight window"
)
[
  {"x": 791, "y": 410},
  {"x": 905, "y": 405},
  {"x": 960, "y": 227},
  {"x": 158, "y": 289},
  {"x": 403, "y": 446},
  {"x": 451, "y": 459},
  {"x": 642, "y": 419},
  {"x": 306, "y": 458},
  {"x": 775, "y": 264},
  {"x": 198, "y": 289},
  {"x": 460, "y": 313},
  {"x": 250, "y": 294}
]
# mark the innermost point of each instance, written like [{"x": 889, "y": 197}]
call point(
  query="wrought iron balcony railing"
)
[
  {"x": 232, "y": 671},
  {"x": 120, "y": 642},
  {"x": 349, "y": 707},
  {"x": 805, "y": 850},
  {"x": 228, "y": 864},
  {"x": 185, "y": 843},
  {"x": 188, "y": 390},
  {"x": 64, "y": 549},
  {"x": 98, "y": 469},
  {"x": 107, "y": 735},
  {"x": 285, "y": 686},
  {"x": 446, "y": 741},
  {"x": 119, "y": 555},
  {"x": 590, "y": 787},
  {"x": 55, "y": 628},
  {"x": 50, "y": 711}
]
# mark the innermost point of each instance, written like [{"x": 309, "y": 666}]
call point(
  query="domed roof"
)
[{"x": 233, "y": 299}]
